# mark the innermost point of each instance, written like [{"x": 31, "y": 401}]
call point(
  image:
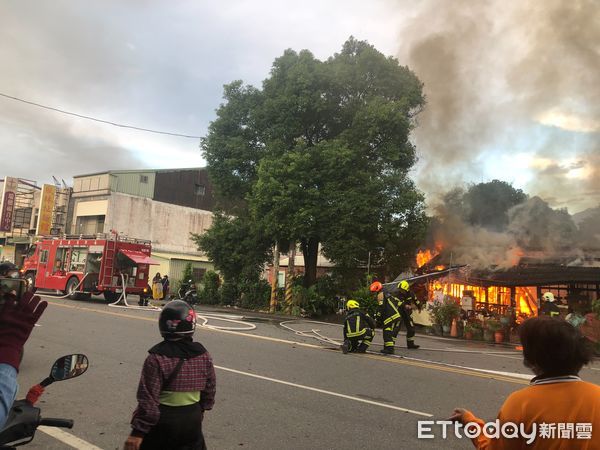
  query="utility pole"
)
[
  {"x": 273, "y": 304},
  {"x": 290, "y": 275}
]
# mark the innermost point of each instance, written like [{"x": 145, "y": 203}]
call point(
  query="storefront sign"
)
[
  {"x": 46, "y": 208},
  {"x": 9, "y": 194}
]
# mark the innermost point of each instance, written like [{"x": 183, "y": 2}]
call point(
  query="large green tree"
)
[{"x": 320, "y": 156}]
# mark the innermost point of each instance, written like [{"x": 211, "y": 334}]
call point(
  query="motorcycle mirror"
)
[{"x": 69, "y": 366}]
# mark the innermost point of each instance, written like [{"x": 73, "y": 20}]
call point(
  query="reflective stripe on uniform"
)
[
  {"x": 396, "y": 314},
  {"x": 172, "y": 398},
  {"x": 357, "y": 333}
]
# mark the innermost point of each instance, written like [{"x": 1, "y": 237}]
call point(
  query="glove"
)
[{"x": 17, "y": 319}]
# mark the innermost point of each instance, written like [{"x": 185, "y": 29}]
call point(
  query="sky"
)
[{"x": 512, "y": 86}]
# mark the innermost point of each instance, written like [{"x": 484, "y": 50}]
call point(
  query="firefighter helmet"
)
[
  {"x": 6, "y": 268},
  {"x": 352, "y": 304},
  {"x": 177, "y": 319},
  {"x": 376, "y": 286},
  {"x": 548, "y": 296},
  {"x": 403, "y": 285}
]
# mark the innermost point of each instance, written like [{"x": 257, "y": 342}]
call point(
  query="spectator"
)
[
  {"x": 165, "y": 287},
  {"x": 555, "y": 351},
  {"x": 177, "y": 385},
  {"x": 157, "y": 287}
]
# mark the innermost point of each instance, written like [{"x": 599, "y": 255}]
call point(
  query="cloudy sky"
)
[{"x": 512, "y": 86}]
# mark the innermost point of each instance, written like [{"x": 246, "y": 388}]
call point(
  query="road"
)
[{"x": 276, "y": 389}]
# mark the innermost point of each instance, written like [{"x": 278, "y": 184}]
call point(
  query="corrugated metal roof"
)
[
  {"x": 138, "y": 171},
  {"x": 538, "y": 276}
]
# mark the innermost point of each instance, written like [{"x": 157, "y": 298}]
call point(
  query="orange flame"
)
[{"x": 424, "y": 256}]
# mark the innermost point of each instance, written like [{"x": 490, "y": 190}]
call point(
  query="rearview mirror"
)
[{"x": 69, "y": 366}]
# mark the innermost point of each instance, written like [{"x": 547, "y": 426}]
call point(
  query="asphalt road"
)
[{"x": 276, "y": 388}]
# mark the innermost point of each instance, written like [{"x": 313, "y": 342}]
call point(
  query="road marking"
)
[
  {"x": 68, "y": 438},
  {"x": 323, "y": 391},
  {"x": 424, "y": 364}
]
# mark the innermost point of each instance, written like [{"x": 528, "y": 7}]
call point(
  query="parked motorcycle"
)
[
  {"x": 24, "y": 418},
  {"x": 187, "y": 292}
]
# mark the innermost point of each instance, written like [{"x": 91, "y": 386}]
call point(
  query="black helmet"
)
[
  {"x": 7, "y": 267},
  {"x": 177, "y": 319}
]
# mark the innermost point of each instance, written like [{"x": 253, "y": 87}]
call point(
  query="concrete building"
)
[{"x": 163, "y": 206}]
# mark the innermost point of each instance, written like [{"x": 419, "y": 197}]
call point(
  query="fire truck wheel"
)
[
  {"x": 72, "y": 287},
  {"x": 111, "y": 297},
  {"x": 30, "y": 279}
]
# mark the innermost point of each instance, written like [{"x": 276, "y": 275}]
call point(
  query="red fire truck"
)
[{"x": 102, "y": 261}]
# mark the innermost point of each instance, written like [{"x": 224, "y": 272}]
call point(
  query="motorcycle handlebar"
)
[{"x": 60, "y": 423}]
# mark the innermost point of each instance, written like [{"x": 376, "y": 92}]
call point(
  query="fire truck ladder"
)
[{"x": 109, "y": 262}]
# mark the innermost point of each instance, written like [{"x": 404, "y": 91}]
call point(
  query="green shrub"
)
[
  {"x": 366, "y": 299},
  {"x": 210, "y": 295},
  {"x": 230, "y": 293},
  {"x": 255, "y": 294}
]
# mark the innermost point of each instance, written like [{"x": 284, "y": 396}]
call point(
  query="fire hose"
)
[{"x": 68, "y": 294}]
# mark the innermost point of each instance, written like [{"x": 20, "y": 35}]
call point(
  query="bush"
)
[
  {"x": 311, "y": 302},
  {"x": 210, "y": 295},
  {"x": 230, "y": 293},
  {"x": 443, "y": 313},
  {"x": 188, "y": 274},
  {"x": 366, "y": 299},
  {"x": 255, "y": 294}
]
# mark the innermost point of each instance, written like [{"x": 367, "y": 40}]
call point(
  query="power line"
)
[{"x": 81, "y": 116}]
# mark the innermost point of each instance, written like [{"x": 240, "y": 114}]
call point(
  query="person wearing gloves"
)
[
  {"x": 17, "y": 318},
  {"x": 359, "y": 329}
]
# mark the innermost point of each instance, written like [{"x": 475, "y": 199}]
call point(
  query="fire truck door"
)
[
  {"x": 57, "y": 278},
  {"x": 42, "y": 267}
]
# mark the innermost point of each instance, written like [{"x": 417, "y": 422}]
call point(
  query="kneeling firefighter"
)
[{"x": 359, "y": 329}]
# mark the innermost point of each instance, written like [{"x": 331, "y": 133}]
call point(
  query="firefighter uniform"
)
[
  {"x": 358, "y": 329},
  {"x": 407, "y": 300}
]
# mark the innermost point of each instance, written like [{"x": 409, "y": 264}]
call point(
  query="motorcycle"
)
[
  {"x": 24, "y": 418},
  {"x": 187, "y": 292}
]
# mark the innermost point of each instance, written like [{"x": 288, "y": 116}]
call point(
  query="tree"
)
[
  {"x": 487, "y": 204},
  {"x": 321, "y": 155}
]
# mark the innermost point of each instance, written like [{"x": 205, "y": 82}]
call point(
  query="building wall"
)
[
  {"x": 184, "y": 187},
  {"x": 98, "y": 184},
  {"x": 167, "y": 226},
  {"x": 136, "y": 183}
]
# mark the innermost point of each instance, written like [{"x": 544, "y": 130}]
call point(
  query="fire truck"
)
[{"x": 82, "y": 265}]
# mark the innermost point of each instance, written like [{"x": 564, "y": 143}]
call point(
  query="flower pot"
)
[
  {"x": 499, "y": 337},
  {"x": 468, "y": 335}
]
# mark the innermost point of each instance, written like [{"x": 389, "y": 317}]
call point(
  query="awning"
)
[{"x": 138, "y": 257}]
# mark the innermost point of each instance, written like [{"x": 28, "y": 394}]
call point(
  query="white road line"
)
[
  {"x": 322, "y": 391},
  {"x": 67, "y": 438}
]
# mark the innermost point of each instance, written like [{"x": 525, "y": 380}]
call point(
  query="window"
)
[
  {"x": 44, "y": 256},
  {"x": 198, "y": 273},
  {"x": 200, "y": 189},
  {"x": 89, "y": 224},
  {"x": 144, "y": 179}
]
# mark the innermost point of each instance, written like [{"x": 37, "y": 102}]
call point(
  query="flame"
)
[{"x": 424, "y": 256}]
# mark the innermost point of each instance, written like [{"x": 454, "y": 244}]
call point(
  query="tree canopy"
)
[{"x": 320, "y": 155}]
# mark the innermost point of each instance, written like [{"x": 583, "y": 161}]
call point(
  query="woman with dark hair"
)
[{"x": 568, "y": 407}]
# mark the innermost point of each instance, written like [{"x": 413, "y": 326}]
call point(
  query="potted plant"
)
[
  {"x": 473, "y": 329},
  {"x": 468, "y": 331},
  {"x": 444, "y": 313},
  {"x": 495, "y": 328}
]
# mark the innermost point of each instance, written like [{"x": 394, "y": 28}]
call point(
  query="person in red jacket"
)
[
  {"x": 177, "y": 385},
  {"x": 558, "y": 408}
]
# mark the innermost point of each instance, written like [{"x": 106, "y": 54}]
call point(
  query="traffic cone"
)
[{"x": 454, "y": 328}]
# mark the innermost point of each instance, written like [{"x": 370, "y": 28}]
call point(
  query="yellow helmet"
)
[
  {"x": 548, "y": 296},
  {"x": 352, "y": 304},
  {"x": 403, "y": 285}
]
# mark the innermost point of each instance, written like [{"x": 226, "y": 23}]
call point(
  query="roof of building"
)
[
  {"x": 182, "y": 256},
  {"x": 537, "y": 276},
  {"x": 180, "y": 169}
]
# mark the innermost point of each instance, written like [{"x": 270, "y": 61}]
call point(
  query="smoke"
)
[
  {"x": 534, "y": 230},
  {"x": 509, "y": 78}
]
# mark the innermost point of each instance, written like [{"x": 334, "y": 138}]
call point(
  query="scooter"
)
[
  {"x": 24, "y": 418},
  {"x": 187, "y": 293}
]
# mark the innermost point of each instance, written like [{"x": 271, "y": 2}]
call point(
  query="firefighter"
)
[
  {"x": 408, "y": 300},
  {"x": 390, "y": 314},
  {"x": 549, "y": 308},
  {"x": 359, "y": 329}
]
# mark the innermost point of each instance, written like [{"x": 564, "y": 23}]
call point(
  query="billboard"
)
[
  {"x": 9, "y": 195},
  {"x": 46, "y": 208}
]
